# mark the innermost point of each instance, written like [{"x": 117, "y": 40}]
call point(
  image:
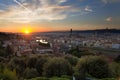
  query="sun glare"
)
[{"x": 26, "y": 31}]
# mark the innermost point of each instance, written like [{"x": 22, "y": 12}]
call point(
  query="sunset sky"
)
[{"x": 55, "y": 15}]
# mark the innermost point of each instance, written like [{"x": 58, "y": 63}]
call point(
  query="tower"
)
[{"x": 71, "y": 32}]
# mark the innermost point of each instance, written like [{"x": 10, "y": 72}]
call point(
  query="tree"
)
[
  {"x": 57, "y": 67},
  {"x": 31, "y": 62},
  {"x": 9, "y": 75},
  {"x": 75, "y": 51},
  {"x": 96, "y": 66},
  {"x": 115, "y": 69},
  {"x": 3, "y": 52},
  {"x": 71, "y": 59},
  {"x": 9, "y": 50},
  {"x": 19, "y": 64},
  {"x": 30, "y": 73},
  {"x": 1, "y": 70},
  {"x": 40, "y": 63},
  {"x": 81, "y": 66},
  {"x": 117, "y": 59},
  {"x": 79, "y": 52}
]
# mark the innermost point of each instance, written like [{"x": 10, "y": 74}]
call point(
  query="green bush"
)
[
  {"x": 71, "y": 59},
  {"x": 117, "y": 59},
  {"x": 57, "y": 67},
  {"x": 115, "y": 69},
  {"x": 19, "y": 64},
  {"x": 79, "y": 52},
  {"x": 96, "y": 66},
  {"x": 9, "y": 75},
  {"x": 65, "y": 76},
  {"x": 31, "y": 62},
  {"x": 3, "y": 52},
  {"x": 9, "y": 50},
  {"x": 40, "y": 63},
  {"x": 30, "y": 73}
]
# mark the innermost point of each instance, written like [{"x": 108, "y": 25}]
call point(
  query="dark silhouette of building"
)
[{"x": 71, "y": 32}]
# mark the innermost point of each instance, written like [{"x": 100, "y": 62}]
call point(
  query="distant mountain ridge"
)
[
  {"x": 88, "y": 31},
  {"x": 99, "y": 31}
]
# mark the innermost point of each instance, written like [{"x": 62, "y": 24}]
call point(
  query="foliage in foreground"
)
[
  {"x": 49, "y": 66},
  {"x": 96, "y": 66},
  {"x": 53, "y": 78},
  {"x": 8, "y": 75},
  {"x": 57, "y": 67}
]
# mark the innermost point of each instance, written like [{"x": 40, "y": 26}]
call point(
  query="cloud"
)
[
  {"x": 109, "y": 19},
  {"x": 110, "y": 1},
  {"x": 21, "y": 4},
  {"x": 37, "y": 10},
  {"x": 88, "y": 9},
  {"x": 1, "y": 11},
  {"x": 104, "y": 1}
]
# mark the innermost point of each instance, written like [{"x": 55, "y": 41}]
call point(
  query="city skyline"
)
[{"x": 55, "y": 15}]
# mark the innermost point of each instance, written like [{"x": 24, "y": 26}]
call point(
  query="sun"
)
[{"x": 27, "y": 32}]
